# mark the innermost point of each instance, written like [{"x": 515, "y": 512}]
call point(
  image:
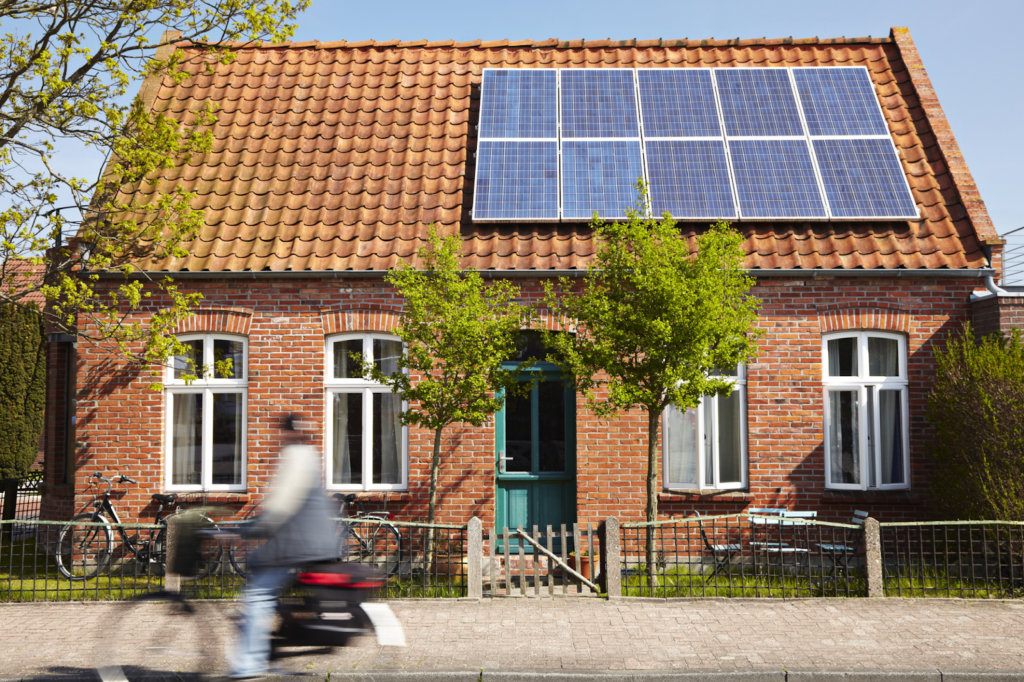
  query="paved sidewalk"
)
[{"x": 585, "y": 636}]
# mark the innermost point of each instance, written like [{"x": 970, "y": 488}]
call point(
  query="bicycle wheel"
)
[
  {"x": 209, "y": 557},
  {"x": 83, "y": 551},
  {"x": 239, "y": 560},
  {"x": 385, "y": 548}
]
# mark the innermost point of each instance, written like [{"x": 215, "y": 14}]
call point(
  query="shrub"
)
[
  {"x": 22, "y": 388},
  {"x": 977, "y": 411}
]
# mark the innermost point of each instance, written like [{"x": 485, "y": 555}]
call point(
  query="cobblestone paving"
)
[{"x": 549, "y": 634}]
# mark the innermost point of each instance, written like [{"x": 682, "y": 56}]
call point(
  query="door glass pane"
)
[
  {"x": 344, "y": 368},
  {"x": 709, "y": 437},
  {"x": 186, "y": 438},
  {"x": 883, "y": 357},
  {"x": 386, "y": 354},
  {"x": 843, "y": 436},
  {"x": 890, "y": 423},
  {"x": 347, "y": 448},
  {"x": 191, "y": 362},
  {"x": 518, "y": 434},
  {"x": 227, "y": 439},
  {"x": 730, "y": 446},
  {"x": 842, "y": 357},
  {"x": 551, "y": 416},
  {"x": 224, "y": 349},
  {"x": 682, "y": 446},
  {"x": 387, "y": 438}
]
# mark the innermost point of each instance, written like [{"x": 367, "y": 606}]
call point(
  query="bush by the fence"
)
[
  {"x": 22, "y": 388},
  {"x": 977, "y": 410}
]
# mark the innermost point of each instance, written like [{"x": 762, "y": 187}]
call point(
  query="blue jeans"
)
[{"x": 252, "y": 654}]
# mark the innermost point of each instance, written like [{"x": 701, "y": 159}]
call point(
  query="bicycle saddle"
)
[{"x": 165, "y": 499}]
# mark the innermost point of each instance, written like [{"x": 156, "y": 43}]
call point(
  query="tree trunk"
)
[
  {"x": 653, "y": 419},
  {"x": 435, "y": 464}
]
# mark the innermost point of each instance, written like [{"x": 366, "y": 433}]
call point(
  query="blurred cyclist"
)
[{"x": 296, "y": 523}]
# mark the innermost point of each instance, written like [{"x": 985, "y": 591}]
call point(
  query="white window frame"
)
[
  {"x": 862, "y": 384},
  {"x": 367, "y": 389},
  {"x": 739, "y": 385},
  {"x": 207, "y": 386}
]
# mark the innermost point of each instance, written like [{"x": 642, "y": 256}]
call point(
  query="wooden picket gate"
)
[{"x": 519, "y": 563}]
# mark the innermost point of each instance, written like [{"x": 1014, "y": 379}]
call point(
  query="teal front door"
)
[{"x": 535, "y": 456}]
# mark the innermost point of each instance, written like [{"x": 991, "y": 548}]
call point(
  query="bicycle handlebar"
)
[{"x": 120, "y": 477}]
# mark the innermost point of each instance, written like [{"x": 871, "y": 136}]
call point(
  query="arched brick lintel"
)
[
  {"x": 845, "y": 318},
  {"x": 358, "y": 320},
  {"x": 228, "y": 320}
]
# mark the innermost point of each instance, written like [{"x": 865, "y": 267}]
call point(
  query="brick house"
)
[{"x": 330, "y": 162}]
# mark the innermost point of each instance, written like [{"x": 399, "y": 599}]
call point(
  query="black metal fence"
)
[
  {"x": 974, "y": 559},
  {"x": 21, "y": 501},
  {"x": 742, "y": 556}
]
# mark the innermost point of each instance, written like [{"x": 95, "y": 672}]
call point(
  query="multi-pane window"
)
[
  {"x": 706, "y": 447},
  {"x": 866, "y": 414},
  {"x": 366, "y": 442},
  {"x": 206, "y": 417}
]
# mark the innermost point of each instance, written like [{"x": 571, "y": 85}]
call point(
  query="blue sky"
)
[{"x": 968, "y": 49}]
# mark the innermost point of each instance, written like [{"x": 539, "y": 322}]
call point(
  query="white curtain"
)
[
  {"x": 891, "y": 435},
  {"x": 342, "y": 457},
  {"x": 883, "y": 357},
  {"x": 844, "y": 445},
  {"x": 387, "y": 407},
  {"x": 682, "y": 447},
  {"x": 186, "y": 438},
  {"x": 385, "y": 355}
]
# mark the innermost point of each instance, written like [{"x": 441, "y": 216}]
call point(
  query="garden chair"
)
[
  {"x": 721, "y": 554},
  {"x": 840, "y": 553},
  {"x": 783, "y": 549}
]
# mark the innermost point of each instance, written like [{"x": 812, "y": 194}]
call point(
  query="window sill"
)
[
  {"x": 216, "y": 496},
  {"x": 906, "y": 495},
  {"x": 684, "y": 494}
]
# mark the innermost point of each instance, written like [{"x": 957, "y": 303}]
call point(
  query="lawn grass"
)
[{"x": 739, "y": 582}]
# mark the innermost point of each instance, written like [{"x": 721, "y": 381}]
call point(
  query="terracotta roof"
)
[
  {"x": 18, "y": 275},
  {"x": 337, "y": 156}
]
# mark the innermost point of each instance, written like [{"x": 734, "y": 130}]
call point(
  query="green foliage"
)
[
  {"x": 22, "y": 388},
  {"x": 457, "y": 331},
  {"x": 65, "y": 74},
  {"x": 977, "y": 410},
  {"x": 654, "y": 322}
]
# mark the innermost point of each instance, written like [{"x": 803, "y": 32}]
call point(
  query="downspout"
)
[{"x": 990, "y": 284}]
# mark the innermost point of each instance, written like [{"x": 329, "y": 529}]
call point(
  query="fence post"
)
[
  {"x": 475, "y": 551},
  {"x": 10, "y": 510},
  {"x": 172, "y": 581},
  {"x": 873, "y": 557},
  {"x": 611, "y": 560}
]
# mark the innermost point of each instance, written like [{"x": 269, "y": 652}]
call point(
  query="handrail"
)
[
  {"x": 407, "y": 524},
  {"x": 86, "y": 524},
  {"x": 787, "y": 520},
  {"x": 894, "y": 524}
]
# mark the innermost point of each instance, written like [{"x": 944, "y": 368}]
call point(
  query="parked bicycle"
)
[
  {"x": 375, "y": 544},
  {"x": 86, "y": 543}
]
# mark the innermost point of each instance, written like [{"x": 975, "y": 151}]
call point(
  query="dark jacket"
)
[{"x": 296, "y": 518}]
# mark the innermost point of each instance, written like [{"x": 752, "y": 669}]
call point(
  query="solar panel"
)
[
  {"x": 599, "y": 103},
  {"x": 863, "y": 179},
  {"x": 839, "y": 101},
  {"x": 775, "y": 179},
  {"x": 599, "y": 176},
  {"x": 689, "y": 179},
  {"x": 516, "y": 180},
  {"x": 758, "y": 102},
  {"x": 519, "y": 103},
  {"x": 678, "y": 103}
]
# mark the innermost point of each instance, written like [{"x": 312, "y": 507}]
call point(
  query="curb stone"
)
[{"x": 865, "y": 676}]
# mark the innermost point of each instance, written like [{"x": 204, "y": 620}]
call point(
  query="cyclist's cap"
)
[{"x": 292, "y": 422}]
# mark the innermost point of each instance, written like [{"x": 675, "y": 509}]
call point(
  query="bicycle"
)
[
  {"x": 380, "y": 545},
  {"x": 85, "y": 544}
]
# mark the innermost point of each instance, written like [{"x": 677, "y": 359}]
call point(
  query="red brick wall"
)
[
  {"x": 121, "y": 420},
  {"x": 997, "y": 314}
]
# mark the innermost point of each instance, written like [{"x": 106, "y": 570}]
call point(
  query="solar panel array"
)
[{"x": 804, "y": 143}]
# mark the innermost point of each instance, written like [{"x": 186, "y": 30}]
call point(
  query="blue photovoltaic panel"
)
[
  {"x": 839, "y": 101},
  {"x": 599, "y": 176},
  {"x": 689, "y": 179},
  {"x": 599, "y": 103},
  {"x": 758, "y": 102},
  {"x": 516, "y": 181},
  {"x": 863, "y": 179},
  {"x": 519, "y": 103},
  {"x": 678, "y": 103},
  {"x": 775, "y": 179}
]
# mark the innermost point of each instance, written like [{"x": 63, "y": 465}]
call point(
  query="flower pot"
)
[{"x": 581, "y": 565}]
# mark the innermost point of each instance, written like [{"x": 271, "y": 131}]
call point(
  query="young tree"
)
[
  {"x": 654, "y": 322},
  {"x": 979, "y": 472},
  {"x": 66, "y": 70},
  {"x": 457, "y": 332}
]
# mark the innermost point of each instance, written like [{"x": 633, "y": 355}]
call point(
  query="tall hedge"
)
[
  {"x": 22, "y": 388},
  {"x": 977, "y": 411}
]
